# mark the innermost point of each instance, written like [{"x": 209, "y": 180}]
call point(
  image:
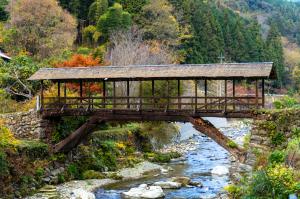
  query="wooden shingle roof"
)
[{"x": 140, "y": 72}]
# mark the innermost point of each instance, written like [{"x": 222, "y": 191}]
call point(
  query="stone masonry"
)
[{"x": 27, "y": 125}]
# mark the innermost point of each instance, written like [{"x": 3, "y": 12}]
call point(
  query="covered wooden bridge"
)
[{"x": 162, "y": 92}]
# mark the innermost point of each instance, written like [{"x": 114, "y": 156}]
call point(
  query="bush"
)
[
  {"x": 7, "y": 139},
  {"x": 277, "y": 157},
  {"x": 91, "y": 174},
  {"x": 73, "y": 171},
  {"x": 278, "y": 138},
  {"x": 286, "y": 102},
  {"x": 232, "y": 144},
  {"x": 33, "y": 149},
  {"x": 162, "y": 157},
  {"x": 4, "y": 170},
  {"x": 233, "y": 191}
]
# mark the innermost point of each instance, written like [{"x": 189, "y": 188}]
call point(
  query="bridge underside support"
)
[
  {"x": 212, "y": 132},
  {"x": 77, "y": 136}
]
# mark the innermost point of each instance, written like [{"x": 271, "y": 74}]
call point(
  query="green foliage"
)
[
  {"x": 278, "y": 138},
  {"x": 232, "y": 144},
  {"x": 286, "y": 102},
  {"x": 4, "y": 169},
  {"x": 233, "y": 191},
  {"x": 3, "y": 13},
  {"x": 14, "y": 75},
  {"x": 66, "y": 126},
  {"x": 7, "y": 139},
  {"x": 162, "y": 157},
  {"x": 157, "y": 22},
  {"x": 97, "y": 9},
  {"x": 134, "y": 7},
  {"x": 114, "y": 19},
  {"x": 91, "y": 174},
  {"x": 277, "y": 157},
  {"x": 73, "y": 171},
  {"x": 33, "y": 149}
]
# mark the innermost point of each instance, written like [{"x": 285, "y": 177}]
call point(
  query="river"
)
[{"x": 198, "y": 165}]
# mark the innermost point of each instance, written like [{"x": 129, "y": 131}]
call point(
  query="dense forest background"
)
[{"x": 39, "y": 33}]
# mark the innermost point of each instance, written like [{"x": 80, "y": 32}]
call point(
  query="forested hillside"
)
[{"x": 118, "y": 32}]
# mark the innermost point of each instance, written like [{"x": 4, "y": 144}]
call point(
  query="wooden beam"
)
[
  {"x": 233, "y": 93},
  {"x": 42, "y": 94},
  {"x": 153, "y": 93},
  {"x": 140, "y": 95},
  {"x": 128, "y": 94},
  {"x": 178, "y": 94},
  {"x": 205, "y": 93},
  {"x": 225, "y": 108},
  {"x": 81, "y": 91},
  {"x": 256, "y": 93},
  {"x": 211, "y": 131},
  {"x": 196, "y": 95},
  {"x": 114, "y": 94},
  {"x": 168, "y": 94},
  {"x": 263, "y": 93},
  {"x": 58, "y": 89},
  {"x": 104, "y": 93}
]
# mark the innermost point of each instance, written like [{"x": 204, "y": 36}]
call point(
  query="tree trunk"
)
[{"x": 211, "y": 131}]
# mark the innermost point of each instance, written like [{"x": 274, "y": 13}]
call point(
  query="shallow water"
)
[{"x": 198, "y": 166}]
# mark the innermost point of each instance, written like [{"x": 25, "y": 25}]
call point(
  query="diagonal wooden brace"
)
[{"x": 211, "y": 131}]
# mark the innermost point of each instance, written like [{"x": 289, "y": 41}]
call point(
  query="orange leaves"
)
[{"x": 79, "y": 60}]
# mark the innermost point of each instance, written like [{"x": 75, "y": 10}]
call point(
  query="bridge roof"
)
[{"x": 140, "y": 72}]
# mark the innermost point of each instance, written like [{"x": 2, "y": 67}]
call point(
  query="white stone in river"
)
[
  {"x": 220, "y": 170},
  {"x": 144, "y": 191},
  {"x": 82, "y": 194},
  {"x": 168, "y": 185}
]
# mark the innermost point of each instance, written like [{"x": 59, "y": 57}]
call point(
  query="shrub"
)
[
  {"x": 7, "y": 139},
  {"x": 4, "y": 170},
  {"x": 232, "y": 144},
  {"x": 162, "y": 157},
  {"x": 33, "y": 149},
  {"x": 91, "y": 174},
  {"x": 286, "y": 102},
  {"x": 277, "y": 157},
  {"x": 233, "y": 191},
  {"x": 73, "y": 171},
  {"x": 278, "y": 138}
]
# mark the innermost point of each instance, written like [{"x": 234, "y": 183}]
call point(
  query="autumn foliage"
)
[{"x": 79, "y": 60}]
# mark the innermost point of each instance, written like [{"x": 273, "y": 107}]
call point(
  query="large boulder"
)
[
  {"x": 168, "y": 185},
  {"x": 220, "y": 171},
  {"x": 82, "y": 194},
  {"x": 144, "y": 191}
]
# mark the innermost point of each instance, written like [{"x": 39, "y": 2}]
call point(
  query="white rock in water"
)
[
  {"x": 82, "y": 194},
  {"x": 168, "y": 185},
  {"x": 143, "y": 191},
  {"x": 220, "y": 170}
]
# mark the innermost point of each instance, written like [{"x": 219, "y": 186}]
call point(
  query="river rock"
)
[
  {"x": 82, "y": 194},
  {"x": 220, "y": 170},
  {"x": 168, "y": 185},
  {"x": 196, "y": 184},
  {"x": 144, "y": 191},
  {"x": 182, "y": 180}
]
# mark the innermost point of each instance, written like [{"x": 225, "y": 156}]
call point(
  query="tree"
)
[
  {"x": 114, "y": 19},
  {"x": 275, "y": 54},
  {"x": 207, "y": 42},
  {"x": 79, "y": 8},
  {"x": 41, "y": 27},
  {"x": 98, "y": 8},
  {"x": 3, "y": 13},
  {"x": 158, "y": 23},
  {"x": 134, "y": 7}
]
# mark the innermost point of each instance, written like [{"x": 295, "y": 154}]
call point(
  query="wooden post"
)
[
  {"x": 104, "y": 94},
  {"x": 205, "y": 93},
  {"x": 90, "y": 95},
  {"x": 128, "y": 94},
  {"x": 233, "y": 93},
  {"x": 178, "y": 94},
  {"x": 225, "y": 108},
  {"x": 256, "y": 93},
  {"x": 42, "y": 95},
  {"x": 114, "y": 94},
  {"x": 141, "y": 95},
  {"x": 153, "y": 93},
  {"x": 58, "y": 91},
  {"x": 263, "y": 93},
  {"x": 196, "y": 95},
  {"x": 80, "y": 91},
  {"x": 168, "y": 94}
]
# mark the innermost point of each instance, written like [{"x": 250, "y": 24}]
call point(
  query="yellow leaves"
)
[
  {"x": 7, "y": 139},
  {"x": 121, "y": 146}
]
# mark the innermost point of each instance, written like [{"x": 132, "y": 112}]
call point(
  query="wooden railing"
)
[{"x": 197, "y": 104}]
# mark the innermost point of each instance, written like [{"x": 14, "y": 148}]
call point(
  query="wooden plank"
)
[
  {"x": 128, "y": 94},
  {"x": 104, "y": 93},
  {"x": 225, "y": 108},
  {"x": 256, "y": 93},
  {"x": 205, "y": 93},
  {"x": 153, "y": 92},
  {"x": 196, "y": 95},
  {"x": 263, "y": 93},
  {"x": 178, "y": 94},
  {"x": 168, "y": 94},
  {"x": 114, "y": 94},
  {"x": 233, "y": 92},
  {"x": 42, "y": 94}
]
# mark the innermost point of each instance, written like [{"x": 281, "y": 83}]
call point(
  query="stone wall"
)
[
  {"x": 272, "y": 129},
  {"x": 27, "y": 125}
]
